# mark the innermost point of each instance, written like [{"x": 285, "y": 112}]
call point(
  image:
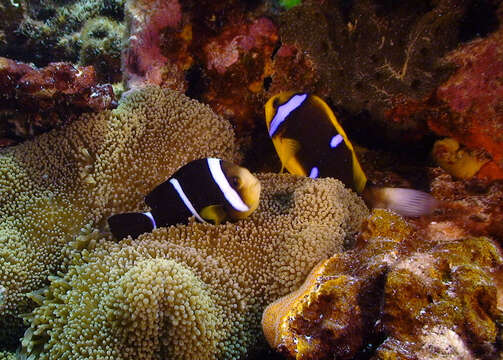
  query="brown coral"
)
[
  {"x": 193, "y": 291},
  {"x": 397, "y": 295},
  {"x": 103, "y": 164}
]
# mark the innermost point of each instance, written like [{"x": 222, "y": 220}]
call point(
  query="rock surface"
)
[
  {"x": 34, "y": 100},
  {"x": 397, "y": 294}
]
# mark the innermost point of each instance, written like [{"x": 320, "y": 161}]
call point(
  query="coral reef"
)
[
  {"x": 36, "y": 100},
  {"x": 466, "y": 105},
  {"x": 103, "y": 163},
  {"x": 144, "y": 62},
  {"x": 397, "y": 295},
  {"x": 398, "y": 75},
  {"x": 215, "y": 51},
  {"x": 471, "y": 207},
  {"x": 472, "y": 97},
  {"x": 240, "y": 53},
  {"x": 101, "y": 47},
  {"x": 376, "y": 63},
  {"x": 193, "y": 291},
  {"x": 366, "y": 57},
  {"x": 50, "y": 30}
]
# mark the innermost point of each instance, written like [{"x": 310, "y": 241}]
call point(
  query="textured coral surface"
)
[
  {"x": 194, "y": 291},
  {"x": 49, "y": 192},
  {"x": 473, "y": 97},
  {"x": 44, "y": 31},
  {"x": 36, "y": 100},
  {"x": 470, "y": 207},
  {"x": 397, "y": 295}
]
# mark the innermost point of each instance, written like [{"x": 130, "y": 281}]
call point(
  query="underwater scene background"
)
[{"x": 103, "y": 100}]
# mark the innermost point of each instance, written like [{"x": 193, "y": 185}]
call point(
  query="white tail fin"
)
[{"x": 406, "y": 202}]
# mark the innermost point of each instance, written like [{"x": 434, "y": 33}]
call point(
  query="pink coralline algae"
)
[
  {"x": 474, "y": 98},
  {"x": 225, "y": 50},
  {"x": 144, "y": 61},
  {"x": 238, "y": 61},
  {"x": 36, "y": 100}
]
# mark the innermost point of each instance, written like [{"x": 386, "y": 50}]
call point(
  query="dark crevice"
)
[
  {"x": 480, "y": 20},
  {"x": 196, "y": 82}
]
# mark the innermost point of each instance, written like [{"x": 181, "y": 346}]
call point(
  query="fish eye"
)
[
  {"x": 235, "y": 181},
  {"x": 275, "y": 103}
]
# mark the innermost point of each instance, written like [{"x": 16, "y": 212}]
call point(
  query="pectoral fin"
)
[
  {"x": 289, "y": 147},
  {"x": 214, "y": 213},
  {"x": 287, "y": 151}
]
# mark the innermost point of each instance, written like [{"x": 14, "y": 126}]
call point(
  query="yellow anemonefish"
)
[
  {"x": 310, "y": 142},
  {"x": 210, "y": 189}
]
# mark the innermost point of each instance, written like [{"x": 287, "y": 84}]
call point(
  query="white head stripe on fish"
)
[
  {"x": 284, "y": 110},
  {"x": 230, "y": 194},
  {"x": 185, "y": 199},
  {"x": 336, "y": 140},
  {"x": 149, "y": 215},
  {"x": 314, "y": 173}
]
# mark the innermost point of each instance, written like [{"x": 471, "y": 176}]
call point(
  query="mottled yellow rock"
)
[{"x": 397, "y": 294}]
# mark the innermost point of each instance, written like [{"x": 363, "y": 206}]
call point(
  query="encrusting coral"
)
[
  {"x": 456, "y": 160},
  {"x": 396, "y": 295},
  {"x": 101, "y": 47},
  {"x": 193, "y": 291},
  {"x": 34, "y": 100},
  {"x": 50, "y": 30},
  {"x": 70, "y": 178},
  {"x": 4, "y": 355}
]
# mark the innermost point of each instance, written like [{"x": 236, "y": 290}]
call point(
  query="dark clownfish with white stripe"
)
[
  {"x": 310, "y": 142},
  {"x": 210, "y": 189}
]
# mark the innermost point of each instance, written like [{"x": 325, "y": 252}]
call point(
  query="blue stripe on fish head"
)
[{"x": 284, "y": 110}]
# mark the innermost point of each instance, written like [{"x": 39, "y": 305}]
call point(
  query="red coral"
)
[
  {"x": 410, "y": 117},
  {"x": 43, "y": 98}
]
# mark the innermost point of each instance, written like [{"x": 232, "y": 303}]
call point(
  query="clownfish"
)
[
  {"x": 210, "y": 189},
  {"x": 310, "y": 142}
]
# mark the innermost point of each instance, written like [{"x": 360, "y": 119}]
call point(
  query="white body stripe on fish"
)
[
  {"x": 185, "y": 199},
  {"x": 284, "y": 110},
  {"x": 149, "y": 215},
  {"x": 230, "y": 194},
  {"x": 336, "y": 140}
]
